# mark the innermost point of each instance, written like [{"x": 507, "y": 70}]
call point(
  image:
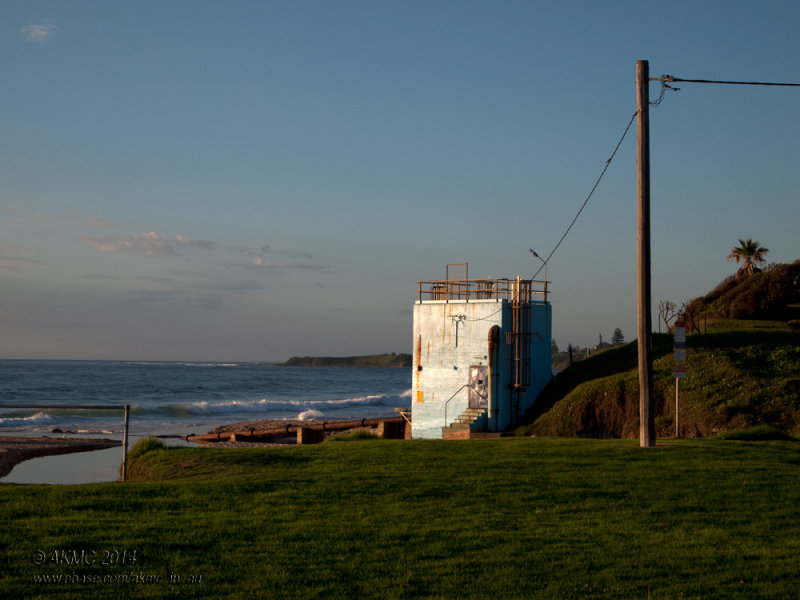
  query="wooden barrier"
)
[{"x": 306, "y": 435}]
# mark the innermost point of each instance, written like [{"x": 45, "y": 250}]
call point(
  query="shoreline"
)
[{"x": 17, "y": 449}]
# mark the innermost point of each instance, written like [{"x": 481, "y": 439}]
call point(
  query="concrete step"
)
[
  {"x": 469, "y": 422},
  {"x": 466, "y": 434},
  {"x": 458, "y": 426}
]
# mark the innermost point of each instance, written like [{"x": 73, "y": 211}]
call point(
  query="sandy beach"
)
[{"x": 14, "y": 450}]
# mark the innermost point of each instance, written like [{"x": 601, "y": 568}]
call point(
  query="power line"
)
[
  {"x": 664, "y": 88},
  {"x": 585, "y": 202},
  {"x": 664, "y": 79},
  {"x": 670, "y": 78}
]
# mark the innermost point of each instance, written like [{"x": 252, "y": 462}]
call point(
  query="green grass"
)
[
  {"x": 144, "y": 445},
  {"x": 759, "y": 433},
  {"x": 354, "y": 436},
  {"x": 740, "y": 372},
  {"x": 728, "y": 325},
  {"x": 505, "y": 518}
]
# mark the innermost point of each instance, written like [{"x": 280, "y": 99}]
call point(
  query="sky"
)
[{"x": 249, "y": 181}]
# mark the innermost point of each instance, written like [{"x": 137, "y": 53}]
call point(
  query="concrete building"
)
[{"x": 482, "y": 353}]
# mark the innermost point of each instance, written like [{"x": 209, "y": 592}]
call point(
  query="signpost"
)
[{"x": 679, "y": 370}]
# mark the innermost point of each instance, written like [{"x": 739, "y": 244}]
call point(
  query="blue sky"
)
[{"x": 255, "y": 180}]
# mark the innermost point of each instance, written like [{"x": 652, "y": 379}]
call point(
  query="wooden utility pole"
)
[
  {"x": 647, "y": 429},
  {"x": 677, "y": 408}
]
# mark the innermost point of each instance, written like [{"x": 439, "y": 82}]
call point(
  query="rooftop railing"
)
[{"x": 522, "y": 290}]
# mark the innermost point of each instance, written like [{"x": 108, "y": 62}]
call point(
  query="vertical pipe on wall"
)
[{"x": 494, "y": 335}]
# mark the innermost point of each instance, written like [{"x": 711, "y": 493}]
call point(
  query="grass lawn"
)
[{"x": 505, "y": 518}]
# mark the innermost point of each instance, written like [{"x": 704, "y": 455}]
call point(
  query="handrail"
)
[
  {"x": 482, "y": 289},
  {"x": 446, "y": 402},
  {"x": 124, "y": 407}
]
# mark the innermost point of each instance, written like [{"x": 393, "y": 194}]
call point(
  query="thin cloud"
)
[
  {"x": 59, "y": 219},
  {"x": 50, "y": 217},
  {"x": 260, "y": 262},
  {"x": 15, "y": 262},
  {"x": 39, "y": 33},
  {"x": 204, "y": 244},
  {"x": 175, "y": 299},
  {"x": 144, "y": 244},
  {"x": 97, "y": 222}
]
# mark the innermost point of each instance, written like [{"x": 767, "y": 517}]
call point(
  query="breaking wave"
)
[
  {"x": 307, "y": 415},
  {"x": 285, "y": 407},
  {"x": 40, "y": 418}
]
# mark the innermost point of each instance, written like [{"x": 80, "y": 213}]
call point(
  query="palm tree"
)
[{"x": 751, "y": 253}]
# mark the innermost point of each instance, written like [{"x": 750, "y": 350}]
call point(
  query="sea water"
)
[
  {"x": 182, "y": 398},
  {"x": 168, "y": 398}
]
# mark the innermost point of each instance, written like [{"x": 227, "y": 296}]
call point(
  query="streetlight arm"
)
[{"x": 544, "y": 262}]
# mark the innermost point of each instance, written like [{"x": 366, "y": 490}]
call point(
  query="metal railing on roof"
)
[{"x": 522, "y": 290}]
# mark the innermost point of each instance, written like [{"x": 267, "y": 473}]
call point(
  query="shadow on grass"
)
[{"x": 173, "y": 462}]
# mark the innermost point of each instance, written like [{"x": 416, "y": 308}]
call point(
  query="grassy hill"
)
[
  {"x": 769, "y": 294},
  {"x": 372, "y": 360},
  {"x": 740, "y": 373},
  {"x": 561, "y": 360},
  {"x": 735, "y": 380}
]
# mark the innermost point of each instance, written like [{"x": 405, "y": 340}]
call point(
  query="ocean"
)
[{"x": 181, "y": 398}]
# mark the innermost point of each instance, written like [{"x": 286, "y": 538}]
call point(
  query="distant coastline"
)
[{"x": 393, "y": 360}]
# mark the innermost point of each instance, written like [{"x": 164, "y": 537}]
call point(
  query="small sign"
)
[{"x": 679, "y": 370}]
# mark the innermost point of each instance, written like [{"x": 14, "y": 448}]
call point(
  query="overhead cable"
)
[
  {"x": 669, "y": 78},
  {"x": 585, "y": 202}
]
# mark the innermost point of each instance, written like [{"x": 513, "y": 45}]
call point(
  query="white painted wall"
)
[{"x": 449, "y": 337}]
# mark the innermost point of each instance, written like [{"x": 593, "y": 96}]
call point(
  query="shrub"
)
[
  {"x": 763, "y": 295},
  {"x": 353, "y": 436},
  {"x": 145, "y": 445},
  {"x": 723, "y": 288}
]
